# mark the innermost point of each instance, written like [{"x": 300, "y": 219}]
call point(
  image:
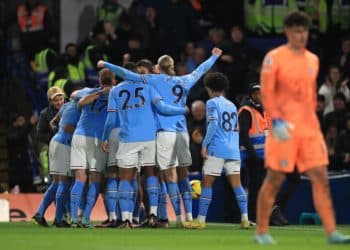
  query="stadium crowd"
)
[{"x": 185, "y": 30}]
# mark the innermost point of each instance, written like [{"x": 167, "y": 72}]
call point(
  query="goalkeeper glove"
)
[{"x": 280, "y": 129}]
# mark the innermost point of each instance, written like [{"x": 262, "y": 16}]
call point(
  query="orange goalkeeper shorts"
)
[{"x": 302, "y": 152}]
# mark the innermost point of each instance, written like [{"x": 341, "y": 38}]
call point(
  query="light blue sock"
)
[
  {"x": 67, "y": 204},
  {"x": 136, "y": 202},
  {"x": 76, "y": 193},
  {"x": 83, "y": 198},
  {"x": 204, "y": 202},
  {"x": 152, "y": 187},
  {"x": 48, "y": 198},
  {"x": 94, "y": 190},
  {"x": 125, "y": 199},
  {"x": 111, "y": 197},
  {"x": 174, "y": 194},
  {"x": 241, "y": 198},
  {"x": 61, "y": 197},
  {"x": 162, "y": 208},
  {"x": 186, "y": 192}
]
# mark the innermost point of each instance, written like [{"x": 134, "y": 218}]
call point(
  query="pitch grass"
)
[{"x": 27, "y": 236}]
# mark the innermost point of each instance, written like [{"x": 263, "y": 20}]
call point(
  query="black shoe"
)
[
  {"x": 163, "y": 224},
  {"x": 62, "y": 224},
  {"x": 152, "y": 221},
  {"x": 127, "y": 224},
  {"x": 39, "y": 220},
  {"x": 124, "y": 224},
  {"x": 277, "y": 218}
]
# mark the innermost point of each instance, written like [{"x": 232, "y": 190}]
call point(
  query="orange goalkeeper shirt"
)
[{"x": 288, "y": 88}]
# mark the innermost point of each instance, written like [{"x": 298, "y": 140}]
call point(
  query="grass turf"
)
[{"x": 18, "y": 236}]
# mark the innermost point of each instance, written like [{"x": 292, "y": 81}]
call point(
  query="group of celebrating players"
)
[
  {"x": 141, "y": 124},
  {"x": 114, "y": 132}
]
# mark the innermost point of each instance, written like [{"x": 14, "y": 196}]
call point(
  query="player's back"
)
[
  {"x": 93, "y": 116},
  {"x": 174, "y": 90},
  {"x": 225, "y": 142},
  {"x": 135, "y": 110},
  {"x": 294, "y": 92}
]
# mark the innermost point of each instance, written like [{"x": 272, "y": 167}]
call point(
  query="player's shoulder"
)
[{"x": 311, "y": 56}]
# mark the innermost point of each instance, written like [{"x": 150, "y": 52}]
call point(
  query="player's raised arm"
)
[
  {"x": 121, "y": 72},
  {"x": 192, "y": 78},
  {"x": 164, "y": 108}
]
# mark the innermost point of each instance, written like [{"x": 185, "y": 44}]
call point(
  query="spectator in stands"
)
[
  {"x": 196, "y": 129},
  {"x": 197, "y": 118},
  {"x": 332, "y": 85},
  {"x": 198, "y": 56},
  {"x": 337, "y": 117},
  {"x": 331, "y": 138},
  {"x": 343, "y": 58},
  {"x": 135, "y": 50},
  {"x": 110, "y": 10},
  {"x": 59, "y": 77},
  {"x": 177, "y": 25},
  {"x": 342, "y": 150},
  {"x": 35, "y": 26},
  {"x": 216, "y": 36},
  {"x": 320, "y": 109},
  {"x": 116, "y": 44},
  {"x": 95, "y": 52},
  {"x": 236, "y": 58},
  {"x": 44, "y": 62},
  {"x": 75, "y": 67},
  {"x": 44, "y": 130},
  {"x": 20, "y": 171}
]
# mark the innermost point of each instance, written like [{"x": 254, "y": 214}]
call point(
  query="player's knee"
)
[
  {"x": 170, "y": 175},
  {"x": 182, "y": 173},
  {"x": 318, "y": 175}
]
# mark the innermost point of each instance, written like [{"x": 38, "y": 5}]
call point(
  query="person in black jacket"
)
[
  {"x": 253, "y": 160},
  {"x": 20, "y": 172},
  {"x": 44, "y": 130}
]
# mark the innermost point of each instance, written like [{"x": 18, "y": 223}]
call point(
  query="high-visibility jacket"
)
[
  {"x": 41, "y": 68},
  {"x": 76, "y": 73},
  {"x": 273, "y": 13},
  {"x": 91, "y": 73},
  {"x": 110, "y": 12},
  {"x": 61, "y": 83},
  {"x": 257, "y": 132},
  {"x": 252, "y": 14},
  {"x": 317, "y": 10},
  {"x": 32, "y": 22},
  {"x": 341, "y": 14}
]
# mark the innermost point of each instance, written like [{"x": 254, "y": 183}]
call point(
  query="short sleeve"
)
[{"x": 212, "y": 112}]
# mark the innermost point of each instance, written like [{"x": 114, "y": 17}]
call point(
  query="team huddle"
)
[{"x": 114, "y": 132}]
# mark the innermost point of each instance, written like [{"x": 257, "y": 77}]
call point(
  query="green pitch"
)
[{"x": 18, "y": 236}]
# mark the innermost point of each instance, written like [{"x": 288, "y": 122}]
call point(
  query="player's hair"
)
[
  {"x": 130, "y": 66},
  {"x": 166, "y": 64},
  {"x": 216, "y": 81},
  {"x": 145, "y": 63},
  {"x": 297, "y": 18},
  {"x": 106, "y": 77}
]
